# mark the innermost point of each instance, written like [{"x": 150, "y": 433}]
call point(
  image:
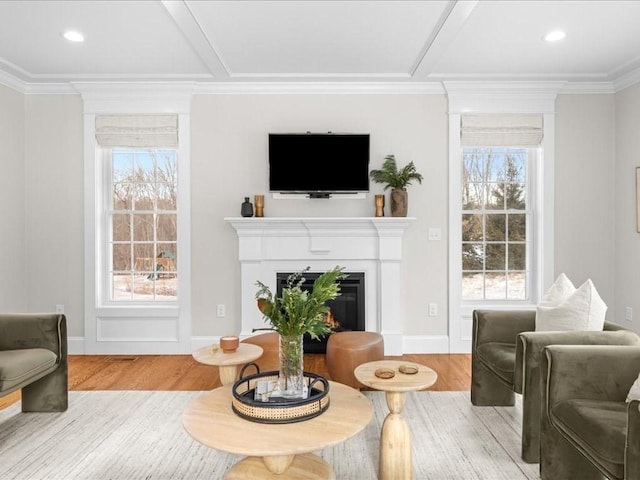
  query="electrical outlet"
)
[
  {"x": 433, "y": 309},
  {"x": 59, "y": 308},
  {"x": 221, "y": 310},
  {"x": 628, "y": 314},
  {"x": 435, "y": 234}
]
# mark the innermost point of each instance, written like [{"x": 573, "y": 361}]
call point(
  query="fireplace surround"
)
[{"x": 371, "y": 245}]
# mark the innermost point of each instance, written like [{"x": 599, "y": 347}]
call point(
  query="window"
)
[
  {"x": 141, "y": 214},
  {"x": 496, "y": 215}
]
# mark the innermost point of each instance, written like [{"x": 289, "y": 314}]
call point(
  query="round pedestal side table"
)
[
  {"x": 228, "y": 363},
  {"x": 395, "y": 440}
]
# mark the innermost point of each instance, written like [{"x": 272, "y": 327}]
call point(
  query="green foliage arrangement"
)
[
  {"x": 394, "y": 177},
  {"x": 299, "y": 311}
]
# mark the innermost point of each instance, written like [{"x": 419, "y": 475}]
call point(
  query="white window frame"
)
[
  {"x": 533, "y": 163},
  {"x": 105, "y": 169},
  {"x": 498, "y": 99},
  {"x": 133, "y": 327}
]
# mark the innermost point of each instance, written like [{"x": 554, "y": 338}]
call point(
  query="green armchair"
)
[
  {"x": 506, "y": 357},
  {"x": 33, "y": 358},
  {"x": 588, "y": 431}
]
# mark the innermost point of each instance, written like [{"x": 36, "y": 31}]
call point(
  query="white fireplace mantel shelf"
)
[{"x": 372, "y": 245}]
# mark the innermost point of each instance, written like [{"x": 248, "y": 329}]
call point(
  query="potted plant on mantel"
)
[
  {"x": 397, "y": 180},
  {"x": 296, "y": 312}
]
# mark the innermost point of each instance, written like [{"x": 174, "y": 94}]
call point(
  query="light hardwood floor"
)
[{"x": 182, "y": 372}]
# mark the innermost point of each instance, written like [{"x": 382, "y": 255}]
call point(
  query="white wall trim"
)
[
  {"x": 319, "y": 88},
  {"x": 75, "y": 345},
  {"x": 410, "y": 344},
  {"x": 260, "y": 85},
  {"x": 135, "y": 97},
  {"x": 138, "y": 329},
  {"x": 501, "y": 97},
  {"x": 425, "y": 344}
]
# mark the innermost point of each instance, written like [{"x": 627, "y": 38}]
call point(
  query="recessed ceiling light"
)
[
  {"x": 73, "y": 36},
  {"x": 555, "y": 36}
]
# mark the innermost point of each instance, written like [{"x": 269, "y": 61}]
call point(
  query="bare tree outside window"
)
[
  {"x": 143, "y": 221},
  {"x": 494, "y": 224}
]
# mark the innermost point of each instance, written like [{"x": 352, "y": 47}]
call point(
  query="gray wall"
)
[
  {"x": 584, "y": 195},
  {"x": 43, "y": 252},
  {"x": 13, "y": 278},
  {"x": 229, "y": 162},
  {"x": 54, "y": 210},
  {"x": 627, "y": 239}
]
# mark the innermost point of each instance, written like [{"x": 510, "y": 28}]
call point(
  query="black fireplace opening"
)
[{"x": 347, "y": 310}]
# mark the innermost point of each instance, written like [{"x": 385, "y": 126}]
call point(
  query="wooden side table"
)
[
  {"x": 228, "y": 363},
  {"x": 395, "y": 440},
  {"x": 276, "y": 451}
]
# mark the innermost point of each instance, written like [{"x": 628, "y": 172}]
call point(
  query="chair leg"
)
[
  {"x": 487, "y": 389},
  {"x": 49, "y": 394},
  {"x": 531, "y": 427}
]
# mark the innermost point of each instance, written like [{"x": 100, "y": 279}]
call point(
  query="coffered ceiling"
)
[{"x": 241, "y": 42}]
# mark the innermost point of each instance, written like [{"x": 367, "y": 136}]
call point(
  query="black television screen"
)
[{"x": 318, "y": 163}]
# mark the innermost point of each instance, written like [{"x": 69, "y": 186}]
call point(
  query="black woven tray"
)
[{"x": 279, "y": 409}]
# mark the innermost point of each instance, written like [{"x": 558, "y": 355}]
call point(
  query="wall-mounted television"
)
[{"x": 318, "y": 164}]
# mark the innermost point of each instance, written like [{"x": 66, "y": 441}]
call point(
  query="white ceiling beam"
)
[
  {"x": 450, "y": 23},
  {"x": 193, "y": 32}
]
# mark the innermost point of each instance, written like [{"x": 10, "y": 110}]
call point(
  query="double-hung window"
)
[
  {"x": 496, "y": 213},
  {"x": 140, "y": 208},
  {"x": 142, "y": 239},
  {"x": 499, "y": 158}
]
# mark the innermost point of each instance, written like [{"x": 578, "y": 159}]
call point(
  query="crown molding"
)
[
  {"x": 135, "y": 97},
  {"x": 502, "y": 97},
  {"x": 308, "y": 88},
  {"x": 433, "y": 87},
  {"x": 627, "y": 80},
  {"x": 584, "y": 88},
  {"x": 12, "y": 82}
]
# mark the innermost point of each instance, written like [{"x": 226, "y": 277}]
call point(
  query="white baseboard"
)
[
  {"x": 75, "y": 345},
  {"x": 425, "y": 344},
  {"x": 410, "y": 344}
]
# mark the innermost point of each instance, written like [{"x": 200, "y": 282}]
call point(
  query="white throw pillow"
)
[
  {"x": 561, "y": 289},
  {"x": 634, "y": 393},
  {"x": 581, "y": 310}
]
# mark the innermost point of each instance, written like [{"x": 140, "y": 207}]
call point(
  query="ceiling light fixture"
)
[
  {"x": 73, "y": 36},
  {"x": 555, "y": 36}
]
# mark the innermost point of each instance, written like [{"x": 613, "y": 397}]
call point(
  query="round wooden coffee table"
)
[
  {"x": 278, "y": 451},
  {"x": 228, "y": 363},
  {"x": 395, "y": 439}
]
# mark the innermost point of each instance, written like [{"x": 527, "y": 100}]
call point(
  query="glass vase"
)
[{"x": 291, "y": 374}]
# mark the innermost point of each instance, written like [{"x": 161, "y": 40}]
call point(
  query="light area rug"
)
[{"x": 124, "y": 435}]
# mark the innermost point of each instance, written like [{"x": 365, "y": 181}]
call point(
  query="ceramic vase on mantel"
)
[
  {"x": 399, "y": 202},
  {"x": 291, "y": 374}
]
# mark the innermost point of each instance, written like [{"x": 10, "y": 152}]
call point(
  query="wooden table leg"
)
[
  {"x": 228, "y": 374},
  {"x": 395, "y": 441},
  {"x": 296, "y": 467}
]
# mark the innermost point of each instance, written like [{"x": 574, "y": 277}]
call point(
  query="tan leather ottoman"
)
[
  {"x": 270, "y": 343},
  {"x": 347, "y": 350}
]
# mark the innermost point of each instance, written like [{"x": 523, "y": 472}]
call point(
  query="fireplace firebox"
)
[{"x": 347, "y": 310}]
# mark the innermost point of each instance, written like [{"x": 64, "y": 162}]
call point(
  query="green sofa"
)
[
  {"x": 506, "y": 357},
  {"x": 33, "y": 358},
  {"x": 588, "y": 431}
]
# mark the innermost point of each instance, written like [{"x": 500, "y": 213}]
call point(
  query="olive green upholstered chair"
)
[
  {"x": 33, "y": 358},
  {"x": 588, "y": 430},
  {"x": 505, "y": 360}
]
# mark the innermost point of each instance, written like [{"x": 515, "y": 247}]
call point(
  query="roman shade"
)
[
  {"x": 501, "y": 130},
  {"x": 143, "y": 131}
]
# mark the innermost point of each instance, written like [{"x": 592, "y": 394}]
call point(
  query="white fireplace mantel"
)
[{"x": 369, "y": 245}]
